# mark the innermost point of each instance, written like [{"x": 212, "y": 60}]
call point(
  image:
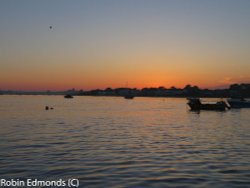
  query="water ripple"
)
[{"x": 111, "y": 142}]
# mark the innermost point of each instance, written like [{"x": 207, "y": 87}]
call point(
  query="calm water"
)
[{"x": 113, "y": 142}]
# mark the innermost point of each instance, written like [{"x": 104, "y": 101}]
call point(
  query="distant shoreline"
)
[{"x": 234, "y": 90}]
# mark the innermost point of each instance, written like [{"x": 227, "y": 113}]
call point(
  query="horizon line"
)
[{"x": 75, "y": 89}]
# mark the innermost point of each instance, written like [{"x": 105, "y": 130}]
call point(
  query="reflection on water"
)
[{"x": 112, "y": 142}]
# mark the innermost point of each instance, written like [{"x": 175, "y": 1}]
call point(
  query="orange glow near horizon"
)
[
  {"x": 88, "y": 80},
  {"x": 153, "y": 70}
]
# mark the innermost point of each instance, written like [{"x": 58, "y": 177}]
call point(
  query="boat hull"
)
[
  {"x": 217, "y": 107},
  {"x": 239, "y": 104},
  {"x": 129, "y": 96},
  {"x": 68, "y": 97},
  {"x": 195, "y": 104}
]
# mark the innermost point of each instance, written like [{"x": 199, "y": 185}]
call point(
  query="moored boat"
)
[
  {"x": 238, "y": 103},
  {"x": 129, "y": 96},
  {"x": 196, "y": 104},
  {"x": 68, "y": 96}
]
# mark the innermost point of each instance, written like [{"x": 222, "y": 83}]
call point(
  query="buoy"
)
[{"x": 46, "y": 107}]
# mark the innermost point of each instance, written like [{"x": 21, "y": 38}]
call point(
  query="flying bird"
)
[{"x": 50, "y": 27}]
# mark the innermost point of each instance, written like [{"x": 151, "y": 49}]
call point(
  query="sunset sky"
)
[{"x": 115, "y": 43}]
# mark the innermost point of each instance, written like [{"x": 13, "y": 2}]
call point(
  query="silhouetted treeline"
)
[{"x": 234, "y": 90}]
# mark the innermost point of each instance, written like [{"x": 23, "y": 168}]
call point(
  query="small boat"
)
[
  {"x": 238, "y": 103},
  {"x": 195, "y": 104},
  {"x": 129, "y": 96},
  {"x": 68, "y": 96}
]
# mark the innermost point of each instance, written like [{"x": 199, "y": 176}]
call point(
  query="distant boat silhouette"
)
[
  {"x": 129, "y": 96},
  {"x": 68, "y": 96},
  {"x": 239, "y": 103}
]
